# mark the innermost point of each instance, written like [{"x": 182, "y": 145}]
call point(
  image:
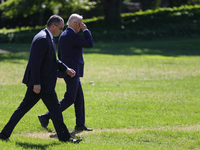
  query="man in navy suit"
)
[
  {"x": 40, "y": 77},
  {"x": 71, "y": 53}
]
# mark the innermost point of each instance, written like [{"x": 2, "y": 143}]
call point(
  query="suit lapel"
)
[{"x": 50, "y": 42}]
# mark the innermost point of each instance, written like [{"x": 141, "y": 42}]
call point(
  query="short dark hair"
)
[{"x": 54, "y": 19}]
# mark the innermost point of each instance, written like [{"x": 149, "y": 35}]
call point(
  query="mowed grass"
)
[{"x": 138, "y": 95}]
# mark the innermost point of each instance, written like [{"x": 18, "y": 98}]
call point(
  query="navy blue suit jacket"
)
[
  {"x": 70, "y": 50},
  {"x": 42, "y": 65}
]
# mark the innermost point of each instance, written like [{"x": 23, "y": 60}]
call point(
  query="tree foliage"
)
[
  {"x": 36, "y": 10},
  {"x": 112, "y": 11},
  {"x": 13, "y": 8}
]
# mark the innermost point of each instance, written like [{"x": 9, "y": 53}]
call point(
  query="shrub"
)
[{"x": 143, "y": 25}]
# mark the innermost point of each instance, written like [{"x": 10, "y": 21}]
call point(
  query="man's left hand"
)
[{"x": 71, "y": 72}]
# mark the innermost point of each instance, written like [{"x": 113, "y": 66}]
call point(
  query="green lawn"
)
[{"x": 145, "y": 95}]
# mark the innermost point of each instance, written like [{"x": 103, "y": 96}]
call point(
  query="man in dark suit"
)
[
  {"x": 71, "y": 53},
  {"x": 40, "y": 77}
]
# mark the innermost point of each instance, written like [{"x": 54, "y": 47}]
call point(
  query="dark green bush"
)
[{"x": 161, "y": 23}]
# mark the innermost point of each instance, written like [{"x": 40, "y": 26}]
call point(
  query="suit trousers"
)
[
  {"x": 74, "y": 95},
  {"x": 52, "y": 104}
]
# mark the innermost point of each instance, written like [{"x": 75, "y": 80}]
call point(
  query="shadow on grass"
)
[
  {"x": 26, "y": 145},
  {"x": 16, "y": 52},
  {"x": 178, "y": 47},
  {"x": 175, "y": 47},
  {"x": 54, "y": 135},
  {"x": 73, "y": 134},
  {"x": 14, "y": 57}
]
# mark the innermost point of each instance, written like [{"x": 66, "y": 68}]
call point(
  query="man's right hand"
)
[
  {"x": 37, "y": 88},
  {"x": 83, "y": 26}
]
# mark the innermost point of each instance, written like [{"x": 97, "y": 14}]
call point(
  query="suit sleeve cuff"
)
[{"x": 85, "y": 30}]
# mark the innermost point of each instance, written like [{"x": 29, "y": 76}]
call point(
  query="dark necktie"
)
[{"x": 54, "y": 45}]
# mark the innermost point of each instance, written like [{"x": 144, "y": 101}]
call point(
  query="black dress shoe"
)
[
  {"x": 43, "y": 120},
  {"x": 3, "y": 137},
  {"x": 82, "y": 128},
  {"x": 71, "y": 140}
]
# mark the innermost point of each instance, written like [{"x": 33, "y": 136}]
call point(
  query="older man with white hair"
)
[{"x": 70, "y": 51}]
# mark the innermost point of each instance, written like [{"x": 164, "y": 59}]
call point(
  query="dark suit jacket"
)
[
  {"x": 70, "y": 50},
  {"x": 42, "y": 65}
]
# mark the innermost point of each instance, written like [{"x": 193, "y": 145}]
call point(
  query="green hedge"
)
[
  {"x": 18, "y": 35},
  {"x": 181, "y": 21}
]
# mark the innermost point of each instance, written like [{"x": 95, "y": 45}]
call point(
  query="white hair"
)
[{"x": 74, "y": 18}]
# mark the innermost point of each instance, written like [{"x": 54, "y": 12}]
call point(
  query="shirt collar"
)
[
  {"x": 50, "y": 34},
  {"x": 71, "y": 28}
]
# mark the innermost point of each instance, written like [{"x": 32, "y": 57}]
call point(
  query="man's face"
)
[
  {"x": 58, "y": 29},
  {"x": 78, "y": 25}
]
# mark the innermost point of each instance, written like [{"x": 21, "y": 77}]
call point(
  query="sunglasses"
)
[{"x": 61, "y": 28}]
